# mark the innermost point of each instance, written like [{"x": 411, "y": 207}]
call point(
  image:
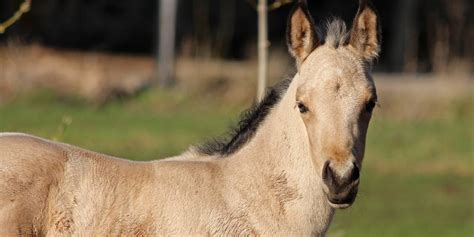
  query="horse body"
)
[
  {"x": 67, "y": 190},
  {"x": 293, "y": 161},
  {"x": 70, "y": 191}
]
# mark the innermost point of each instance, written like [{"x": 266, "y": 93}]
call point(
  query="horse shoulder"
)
[
  {"x": 46, "y": 188},
  {"x": 29, "y": 167}
]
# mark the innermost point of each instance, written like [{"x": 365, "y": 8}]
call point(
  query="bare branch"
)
[
  {"x": 273, "y": 6},
  {"x": 24, "y": 8},
  {"x": 278, "y": 3}
]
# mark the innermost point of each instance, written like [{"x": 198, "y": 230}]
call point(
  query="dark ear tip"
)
[
  {"x": 366, "y": 4},
  {"x": 303, "y": 2},
  {"x": 300, "y": 5}
]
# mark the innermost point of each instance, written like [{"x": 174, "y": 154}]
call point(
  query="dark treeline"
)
[{"x": 418, "y": 35}]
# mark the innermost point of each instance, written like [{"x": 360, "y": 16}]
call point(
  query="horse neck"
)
[
  {"x": 281, "y": 147},
  {"x": 280, "y": 143}
]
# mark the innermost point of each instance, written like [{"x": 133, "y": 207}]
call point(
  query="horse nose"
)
[{"x": 338, "y": 184}]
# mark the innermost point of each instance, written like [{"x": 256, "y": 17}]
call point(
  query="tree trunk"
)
[
  {"x": 166, "y": 48},
  {"x": 262, "y": 48},
  {"x": 402, "y": 55}
]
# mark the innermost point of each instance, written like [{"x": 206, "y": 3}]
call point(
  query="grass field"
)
[{"x": 418, "y": 177}]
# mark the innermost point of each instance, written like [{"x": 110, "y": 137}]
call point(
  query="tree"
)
[
  {"x": 262, "y": 48},
  {"x": 166, "y": 48}
]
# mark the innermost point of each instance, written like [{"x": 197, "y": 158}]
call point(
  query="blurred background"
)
[{"x": 86, "y": 72}]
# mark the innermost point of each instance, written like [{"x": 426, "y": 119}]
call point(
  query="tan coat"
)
[
  {"x": 286, "y": 179},
  {"x": 55, "y": 189}
]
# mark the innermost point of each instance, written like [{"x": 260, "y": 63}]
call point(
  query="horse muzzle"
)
[{"x": 340, "y": 191}]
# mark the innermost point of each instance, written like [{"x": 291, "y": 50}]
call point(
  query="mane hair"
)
[
  {"x": 250, "y": 121},
  {"x": 336, "y": 33}
]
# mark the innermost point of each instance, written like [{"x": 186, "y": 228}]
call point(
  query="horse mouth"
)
[
  {"x": 342, "y": 201},
  {"x": 339, "y": 205}
]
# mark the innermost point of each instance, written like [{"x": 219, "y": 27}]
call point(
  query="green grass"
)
[
  {"x": 409, "y": 205},
  {"x": 418, "y": 177},
  {"x": 138, "y": 130}
]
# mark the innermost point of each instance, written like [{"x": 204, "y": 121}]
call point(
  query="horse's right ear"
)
[
  {"x": 366, "y": 32},
  {"x": 301, "y": 33}
]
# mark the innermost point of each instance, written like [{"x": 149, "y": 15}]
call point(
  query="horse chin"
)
[{"x": 339, "y": 206}]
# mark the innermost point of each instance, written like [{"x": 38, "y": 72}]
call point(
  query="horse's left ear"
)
[{"x": 366, "y": 32}]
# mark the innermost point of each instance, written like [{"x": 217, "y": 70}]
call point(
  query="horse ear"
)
[
  {"x": 301, "y": 33},
  {"x": 366, "y": 32}
]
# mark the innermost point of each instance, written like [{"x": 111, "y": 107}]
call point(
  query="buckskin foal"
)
[{"x": 292, "y": 161}]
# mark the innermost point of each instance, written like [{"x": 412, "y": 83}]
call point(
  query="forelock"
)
[{"x": 336, "y": 33}]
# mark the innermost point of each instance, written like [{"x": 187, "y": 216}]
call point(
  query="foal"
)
[{"x": 294, "y": 159}]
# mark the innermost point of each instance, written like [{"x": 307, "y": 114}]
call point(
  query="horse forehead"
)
[
  {"x": 334, "y": 74},
  {"x": 327, "y": 63}
]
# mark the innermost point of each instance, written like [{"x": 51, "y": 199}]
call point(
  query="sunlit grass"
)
[
  {"x": 409, "y": 205},
  {"x": 142, "y": 129}
]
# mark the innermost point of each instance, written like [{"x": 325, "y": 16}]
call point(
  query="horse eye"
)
[
  {"x": 369, "y": 107},
  {"x": 303, "y": 109}
]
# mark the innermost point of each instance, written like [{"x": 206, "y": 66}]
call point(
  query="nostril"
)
[
  {"x": 355, "y": 175},
  {"x": 328, "y": 175},
  {"x": 325, "y": 170}
]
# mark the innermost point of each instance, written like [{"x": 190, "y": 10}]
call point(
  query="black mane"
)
[{"x": 248, "y": 125}]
